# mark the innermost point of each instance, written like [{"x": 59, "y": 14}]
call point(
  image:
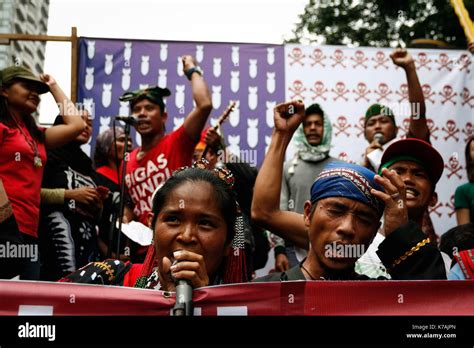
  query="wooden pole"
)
[
  {"x": 74, "y": 64},
  {"x": 73, "y": 39},
  {"x": 464, "y": 19},
  {"x": 28, "y": 37}
]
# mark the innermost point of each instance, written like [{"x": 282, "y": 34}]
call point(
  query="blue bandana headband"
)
[{"x": 349, "y": 181}]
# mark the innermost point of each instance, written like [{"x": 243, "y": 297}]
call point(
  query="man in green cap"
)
[
  {"x": 380, "y": 128},
  {"x": 160, "y": 154}
]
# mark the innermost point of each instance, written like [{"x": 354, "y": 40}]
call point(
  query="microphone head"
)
[
  {"x": 379, "y": 137},
  {"x": 127, "y": 119}
]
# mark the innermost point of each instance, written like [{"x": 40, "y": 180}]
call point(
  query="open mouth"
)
[{"x": 412, "y": 193}]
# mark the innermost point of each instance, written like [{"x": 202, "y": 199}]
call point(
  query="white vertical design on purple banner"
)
[
  {"x": 127, "y": 52},
  {"x": 270, "y": 55},
  {"x": 89, "y": 83},
  {"x": 145, "y": 65},
  {"x": 106, "y": 94},
  {"x": 109, "y": 64},
  {"x": 253, "y": 68},
  {"x": 252, "y": 132},
  {"x": 162, "y": 79},
  {"x": 269, "y": 114},
  {"x": 346, "y": 81},
  {"x": 271, "y": 82},
  {"x": 216, "y": 68},
  {"x": 199, "y": 53},
  {"x": 124, "y": 108},
  {"x": 163, "y": 52},
  {"x": 216, "y": 96},
  {"x": 179, "y": 67},
  {"x": 126, "y": 78},
  {"x": 179, "y": 96},
  {"x": 234, "y": 117},
  {"x": 104, "y": 123},
  {"x": 234, "y": 81},
  {"x": 90, "y": 49},
  {"x": 253, "y": 97},
  {"x": 235, "y": 55},
  {"x": 233, "y": 141}
]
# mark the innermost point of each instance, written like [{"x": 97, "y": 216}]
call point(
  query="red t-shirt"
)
[
  {"x": 109, "y": 173},
  {"x": 143, "y": 176},
  {"x": 22, "y": 180}
]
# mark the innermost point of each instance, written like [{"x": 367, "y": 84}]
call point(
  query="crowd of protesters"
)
[{"x": 211, "y": 221}]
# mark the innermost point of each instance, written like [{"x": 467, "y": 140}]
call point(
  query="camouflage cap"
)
[
  {"x": 155, "y": 94},
  {"x": 21, "y": 73}
]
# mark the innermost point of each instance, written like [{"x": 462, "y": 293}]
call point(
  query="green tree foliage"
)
[{"x": 380, "y": 23}]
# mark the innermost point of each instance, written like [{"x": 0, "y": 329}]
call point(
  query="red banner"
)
[{"x": 320, "y": 298}]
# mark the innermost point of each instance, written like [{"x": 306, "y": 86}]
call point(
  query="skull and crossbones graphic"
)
[
  {"x": 380, "y": 60},
  {"x": 448, "y": 94},
  {"x": 444, "y": 62},
  {"x": 435, "y": 209},
  {"x": 361, "y": 91},
  {"x": 451, "y": 130},
  {"x": 359, "y": 59},
  {"x": 340, "y": 91},
  {"x": 296, "y": 56},
  {"x": 338, "y": 58},
  {"x": 464, "y": 61},
  {"x": 403, "y": 93},
  {"x": 453, "y": 166},
  {"x": 427, "y": 93},
  {"x": 319, "y": 90},
  {"x": 360, "y": 126},
  {"x": 423, "y": 61},
  {"x": 342, "y": 126},
  {"x": 451, "y": 207},
  {"x": 383, "y": 92},
  {"x": 297, "y": 89},
  {"x": 467, "y": 97},
  {"x": 317, "y": 57},
  {"x": 405, "y": 127},
  {"x": 432, "y": 128}
]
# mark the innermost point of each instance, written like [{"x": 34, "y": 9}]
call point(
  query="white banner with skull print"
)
[{"x": 345, "y": 81}]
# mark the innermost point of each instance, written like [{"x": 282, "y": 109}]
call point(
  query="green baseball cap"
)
[
  {"x": 378, "y": 109},
  {"x": 21, "y": 73}
]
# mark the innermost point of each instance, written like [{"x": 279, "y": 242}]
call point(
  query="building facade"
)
[{"x": 24, "y": 17}]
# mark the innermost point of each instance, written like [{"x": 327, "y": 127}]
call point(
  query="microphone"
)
[
  {"x": 184, "y": 299},
  {"x": 127, "y": 119},
  {"x": 379, "y": 137}
]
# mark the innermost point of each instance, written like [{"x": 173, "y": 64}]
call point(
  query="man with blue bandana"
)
[{"x": 342, "y": 216}]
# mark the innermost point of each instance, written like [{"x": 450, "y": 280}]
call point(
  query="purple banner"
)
[{"x": 251, "y": 74}]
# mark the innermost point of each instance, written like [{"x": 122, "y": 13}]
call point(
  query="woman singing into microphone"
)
[{"x": 198, "y": 237}]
